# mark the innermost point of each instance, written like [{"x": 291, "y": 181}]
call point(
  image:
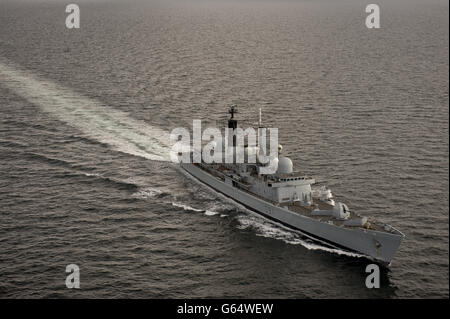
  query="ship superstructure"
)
[{"x": 294, "y": 200}]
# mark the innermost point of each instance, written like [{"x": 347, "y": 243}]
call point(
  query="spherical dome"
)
[{"x": 285, "y": 165}]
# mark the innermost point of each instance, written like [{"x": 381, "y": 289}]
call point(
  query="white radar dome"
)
[{"x": 285, "y": 165}]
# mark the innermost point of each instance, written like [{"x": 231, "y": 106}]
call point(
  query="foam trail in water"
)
[
  {"x": 273, "y": 229},
  {"x": 98, "y": 121},
  {"x": 148, "y": 192},
  {"x": 186, "y": 207},
  {"x": 189, "y": 208}
]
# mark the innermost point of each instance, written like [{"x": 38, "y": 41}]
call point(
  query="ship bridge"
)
[{"x": 292, "y": 177}]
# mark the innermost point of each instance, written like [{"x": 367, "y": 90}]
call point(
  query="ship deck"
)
[
  {"x": 306, "y": 211},
  {"x": 296, "y": 207}
]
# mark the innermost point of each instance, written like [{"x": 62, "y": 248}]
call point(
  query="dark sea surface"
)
[{"x": 85, "y": 116}]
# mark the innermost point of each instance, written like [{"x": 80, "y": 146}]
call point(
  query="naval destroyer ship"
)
[{"x": 296, "y": 201}]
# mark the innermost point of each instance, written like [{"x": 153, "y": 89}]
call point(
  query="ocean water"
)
[{"x": 85, "y": 116}]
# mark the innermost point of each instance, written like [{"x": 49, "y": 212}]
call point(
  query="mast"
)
[
  {"x": 232, "y": 110},
  {"x": 260, "y": 120},
  {"x": 261, "y": 149},
  {"x": 232, "y": 125}
]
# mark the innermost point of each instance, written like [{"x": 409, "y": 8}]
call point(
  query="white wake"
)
[{"x": 94, "y": 119}]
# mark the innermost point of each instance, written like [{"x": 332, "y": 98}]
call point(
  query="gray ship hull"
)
[{"x": 376, "y": 245}]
